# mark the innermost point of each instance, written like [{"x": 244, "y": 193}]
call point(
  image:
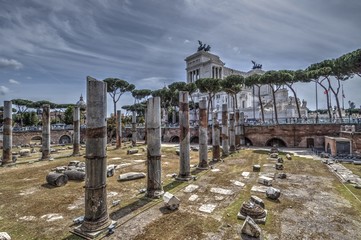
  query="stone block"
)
[
  {"x": 171, "y": 201},
  {"x": 279, "y": 166},
  {"x": 222, "y": 191},
  {"x": 265, "y": 180},
  {"x": 207, "y": 208},
  {"x": 273, "y": 155},
  {"x": 250, "y": 228},
  {"x": 24, "y": 152},
  {"x": 282, "y": 175},
  {"x": 257, "y": 200},
  {"x": 280, "y": 160},
  {"x": 273, "y": 193},
  {"x": 132, "y": 151},
  {"x": 288, "y": 156},
  {"x": 357, "y": 162},
  {"x": 256, "y": 168},
  {"x": 4, "y": 236},
  {"x": 131, "y": 176}
]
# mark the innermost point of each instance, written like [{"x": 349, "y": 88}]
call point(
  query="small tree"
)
[
  {"x": 211, "y": 86},
  {"x": 116, "y": 88},
  {"x": 68, "y": 115},
  {"x": 232, "y": 85},
  {"x": 22, "y": 106}
]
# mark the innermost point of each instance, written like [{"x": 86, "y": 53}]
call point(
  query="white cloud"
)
[
  {"x": 187, "y": 41},
  {"x": 3, "y": 90},
  {"x": 13, "y": 81},
  {"x": 10, "y": 63}
]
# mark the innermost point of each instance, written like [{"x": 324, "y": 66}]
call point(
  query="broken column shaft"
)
[
  {"x": 232, "y": 140},
  {"x": 225, "y": 140},
  {"x": 241, "y": 129},
  {"x": 119, "y": 129},
  {"x": 76, "y": 136},
  {"x": 216, "y": 153},
  {"x": 203, "y": 135},
  {"x": 96, "y": 213},
  {"x": 237, "y": 128},
  {"x": 154, "y": 167},
  {"x": 184, "y": 135},
  {"x": 134, "y": 129},
  {"x": 45, "y": 151},
  {"x": 7, "y": 133}
]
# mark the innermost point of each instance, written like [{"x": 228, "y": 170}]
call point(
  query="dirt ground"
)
[{"x": 314, "y": 204}]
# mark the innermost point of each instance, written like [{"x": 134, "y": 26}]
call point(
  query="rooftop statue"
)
[
  {"x": 203, "y": 47},
  {"x": 256, "y": 66}
]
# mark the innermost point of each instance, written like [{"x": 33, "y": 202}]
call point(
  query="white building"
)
[{"x": 203, "y": 64}]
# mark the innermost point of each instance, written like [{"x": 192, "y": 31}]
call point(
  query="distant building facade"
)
[{"x": 203, "y": 64}]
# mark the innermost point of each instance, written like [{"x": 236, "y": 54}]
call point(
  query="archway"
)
[
  {"x": 194, "y": 139},
  {"x": 37, "y": 140},
  {"x": 174, "y": 139},
  {"x": 248, "y": 142},
  {"x": 328, "y": 148},
  {"x": 276, "y": 142},
  {"x": 65, "y": 139}
]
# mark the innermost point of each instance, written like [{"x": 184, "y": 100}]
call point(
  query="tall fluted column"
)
[
  {"x": 184, "y": 161},
  {"x": 241, "y": 128},
  {"x": 237, "y": 128},
  {"x": 216, "y": 154},
  {"x": 119, "y": 129},
  {"x": 134, "y": 129},
  {"x": 45, "y": 151},
  {"x": 203, "y": 135},
  {"x": 7, "y": 133},
  {"x": 225, "y": 139},
  {"x": 154, "y": 166},
  {"x": 232, "y": 146},
  {"x": 96, "y": 212},
  {"x": 76, "y": 136}
]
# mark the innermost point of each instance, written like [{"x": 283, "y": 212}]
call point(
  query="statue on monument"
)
[
  {"x": 256, "y": 65},
  {"x": 203, "y": 47}
]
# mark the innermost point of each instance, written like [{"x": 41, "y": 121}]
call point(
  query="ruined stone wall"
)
[
  {"x": 22, "y": 138},
  {"x": 292, "y": 135},
  {"x": 355, "y": 138}
]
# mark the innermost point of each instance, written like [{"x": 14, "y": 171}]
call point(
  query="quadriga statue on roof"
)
[
  {"x": 203, "y": 47},
  {"x": 256, "y": 65}
]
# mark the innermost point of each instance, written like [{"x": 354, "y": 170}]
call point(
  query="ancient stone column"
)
[
  {"x": 203, "y": 135},
  {"x": 225, "y": 139},
  {"x": 96, "y": 213},
  {"x": 241, "y": 129},
  {"x": 76, "y": 136},
  {"x": 7, "y": 133},
  {"x": 216, "y": 154},
  {"x": 154, "y": 166},
  {"x": 232, "y": 140},
  {"x": 184, "y": 135},
  {"x": 119, "y": 129},
  {"x": 237, "y": 128},
  {"x": 134, "y": 129},
  {"x": 45, "y": 151}
]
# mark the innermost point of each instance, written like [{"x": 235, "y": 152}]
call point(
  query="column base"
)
[
  {"x": 183, "y": 178},
  {"x": 154, "y": 194},
  {"x": 91, "y": 235},
  {"x": 203, "y": 167}
]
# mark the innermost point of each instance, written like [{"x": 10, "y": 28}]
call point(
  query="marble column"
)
[
  {"x": 76, "y": 135},
  {"x": 203, "y": 135},
  {"x": 45, "y": 150},
  {"x": 154, "y": 166},
  {"x": 184, "y": 145},
  {"x": 7, "y": 133},
  {"x": 225, "y": 139}
]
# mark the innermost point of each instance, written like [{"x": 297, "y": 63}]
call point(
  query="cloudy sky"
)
[{"x": 48, "y": 47}]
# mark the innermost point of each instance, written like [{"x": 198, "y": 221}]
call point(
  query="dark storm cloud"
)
[{"x": 145, "y": 42}]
